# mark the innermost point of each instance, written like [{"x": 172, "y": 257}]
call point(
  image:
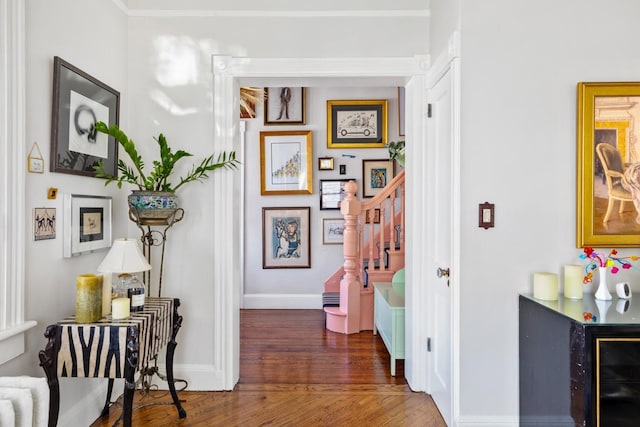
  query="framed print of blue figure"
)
[
  {"x": 376, "y": 174},
  {"x": 286, "y": 238}
]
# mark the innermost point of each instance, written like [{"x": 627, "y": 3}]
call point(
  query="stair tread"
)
[{"x": 335, "y": 311}]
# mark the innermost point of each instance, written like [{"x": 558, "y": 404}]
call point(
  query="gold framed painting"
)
[
  {"x": 285, "y": 162},
  {"x": 357, "y": 123},
  {"x": 608, "y": 165}
]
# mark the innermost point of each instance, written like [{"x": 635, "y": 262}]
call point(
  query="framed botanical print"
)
[
  {"x": 285, "y": 163},
  {"x": 376, "y": 174},
  {"x": 286, "y": 237},
  {"x": 79, "y": 101}
]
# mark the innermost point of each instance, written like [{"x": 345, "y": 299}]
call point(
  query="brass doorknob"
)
[{"x": 443, "y": 272}]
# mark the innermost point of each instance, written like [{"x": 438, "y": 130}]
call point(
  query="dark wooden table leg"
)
[
  {"x": 171, "y": 347},
  {"x": 49, "y": 362},
  {"x": 130, "y": 366},
  {"x": 107, "y": 403}
]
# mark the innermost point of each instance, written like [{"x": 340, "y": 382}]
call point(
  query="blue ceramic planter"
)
[{"x": 153, "y": 205}]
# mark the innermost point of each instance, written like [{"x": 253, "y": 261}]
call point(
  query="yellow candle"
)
[
  {"x": 573, "y": 277},
  {"x": 545, "y": 286},
  {"x": 106, "y": 293},
  {"x": 88, "y": 298},
  {"x": 120, "y": 308}
]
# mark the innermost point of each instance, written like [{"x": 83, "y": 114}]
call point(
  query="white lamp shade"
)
[{"x": 124, "y": 256}]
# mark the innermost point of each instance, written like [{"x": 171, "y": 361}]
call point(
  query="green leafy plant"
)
[
  {"x": 158, "y": 178},
  {"x": 396, "y": 151}
]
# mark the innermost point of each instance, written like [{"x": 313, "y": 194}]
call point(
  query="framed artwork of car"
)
[{"x": 357, "y": 123}]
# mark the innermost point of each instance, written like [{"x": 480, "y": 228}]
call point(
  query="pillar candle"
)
[
  {"x": 120, "y": 308},
  {"x": 106, "y": 293},
  {"x": 545, "y": 286},
  {"x": 573, "y": 278},
  {"x": 88, "y": 298}
]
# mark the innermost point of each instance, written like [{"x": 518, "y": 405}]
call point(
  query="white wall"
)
[{"x": 521, "y": 61}]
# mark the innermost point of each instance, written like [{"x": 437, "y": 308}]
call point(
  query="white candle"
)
[
  {"x": 106, "y": 293},
  {"x": 545, "y": 286},
  {"x": 120, "y": 308},
  {"x": 573, "y": 279}
]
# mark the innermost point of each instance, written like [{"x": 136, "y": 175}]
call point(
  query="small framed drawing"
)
[
  {"x": 332, "y": 231},
  {"x": 325, "y": 163},
  {"x": 376, "y": 174},
  {"x": 284, "y": 105},
  {"x": 79, "y": 101},
  {"x": 285, "y": 163},
  {"x": 87, "y": 224},
  {"x": 332, "y": 193},
  {"x": 44, "y": 223},
  {"x": 286, "y": 238},
  {"x": 373, "y": 215},
  {"x": 357, "y": 124}
]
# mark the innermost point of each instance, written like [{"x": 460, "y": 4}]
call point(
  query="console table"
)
[
  {"x": 112, "y": 349},
  {"x": 388, "y": 319},
  {"x": 579, "y": 362}
]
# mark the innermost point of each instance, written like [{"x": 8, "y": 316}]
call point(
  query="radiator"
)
[{"x": 24, "y": 402}]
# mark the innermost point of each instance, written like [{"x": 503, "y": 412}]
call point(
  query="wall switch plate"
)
[{"x": 486, "y": 215}]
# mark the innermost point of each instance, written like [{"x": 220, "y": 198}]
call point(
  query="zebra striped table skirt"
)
[{"x": 112, "y": 349}]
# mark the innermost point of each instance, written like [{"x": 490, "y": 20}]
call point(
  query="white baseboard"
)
[
  {"x": 471, "y": 421},
  {"x": 282, "y": 301}
]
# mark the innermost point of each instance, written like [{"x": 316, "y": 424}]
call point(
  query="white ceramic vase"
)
[{"x": 603, "y": 291}]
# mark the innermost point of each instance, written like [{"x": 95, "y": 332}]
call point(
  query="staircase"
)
[{"x": 373, "y": 251}]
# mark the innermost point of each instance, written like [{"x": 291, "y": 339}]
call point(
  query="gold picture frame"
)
[
  {"x": 357, "y": 123},
  {"x": 606, "y": 112},
  {"x": 286, "y": 162}
]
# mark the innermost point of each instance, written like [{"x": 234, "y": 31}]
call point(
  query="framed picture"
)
[
  {"x": 332, "y": 193},
  {"x": 44, "y": 223},
  {"x": 373, "y": 216},
  {"x": 285, "y": 163},
  {"x": 284, "y": 105},
  {"x": 357, "y": 124},
  {"x": 79, "y": 101},
  {"x": 608, "y": 188},
  {"x": 325, "y": 163},
  {"x": 376, "y": 174},
  {"x": 401, "y": 116},
  {"x": 332, "y": 231},
  {"x": 286, "y": 238},
  {"x": 87, "y": 224}
]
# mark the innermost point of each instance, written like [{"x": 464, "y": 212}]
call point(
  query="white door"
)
[{"x": 441, "y": 135}]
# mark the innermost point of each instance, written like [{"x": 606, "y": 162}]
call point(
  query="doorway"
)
[{"x": 232, "y": 73}]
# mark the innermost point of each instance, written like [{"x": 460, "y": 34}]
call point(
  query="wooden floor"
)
[{"x": 293, "y": 372}]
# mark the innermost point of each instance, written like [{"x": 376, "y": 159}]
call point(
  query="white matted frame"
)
[
  {"x": 87, "y": 224},
  {"x": 376, "y": 174},
  {"x": 332, "y": 231},
  {"x": 284, "y": 105}
]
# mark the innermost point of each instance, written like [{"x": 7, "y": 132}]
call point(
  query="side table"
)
[{"x": 112, "y": 349}]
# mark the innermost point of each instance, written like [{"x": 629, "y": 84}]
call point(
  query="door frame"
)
[{"x": 229, "y": 73}]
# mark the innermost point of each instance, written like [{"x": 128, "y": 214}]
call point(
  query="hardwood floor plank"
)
[{"x": 293, "y": 372}]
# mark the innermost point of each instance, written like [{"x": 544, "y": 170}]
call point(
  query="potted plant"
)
[
  {"x": 396, "y": 151},
  {"x": 155, "y": 198}
]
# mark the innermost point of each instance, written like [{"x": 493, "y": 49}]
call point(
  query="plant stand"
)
[{"x": 151, "y": 237}]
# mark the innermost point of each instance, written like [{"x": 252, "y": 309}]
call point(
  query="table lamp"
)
[{"x": 125, "y": 258}]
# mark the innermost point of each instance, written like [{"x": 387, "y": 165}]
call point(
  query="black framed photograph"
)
[
  {"x": 284, "y": 105},
  {"x": 79, "y": 101},
  {"x": 357, "y": 123},
  {"x": 376, "y": 174},
  {"x": 332, "y": 193},
  {"x": 87, "y": 224},
  {"x": 286, "y": 237}
]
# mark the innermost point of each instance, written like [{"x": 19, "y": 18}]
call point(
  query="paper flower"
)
[{"x": 599, "y": 259}]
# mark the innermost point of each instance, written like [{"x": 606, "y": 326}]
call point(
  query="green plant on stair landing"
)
[{"x": 396, "y": 151}]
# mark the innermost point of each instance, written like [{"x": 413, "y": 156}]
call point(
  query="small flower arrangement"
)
[{"x": 598, "y": 260}]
